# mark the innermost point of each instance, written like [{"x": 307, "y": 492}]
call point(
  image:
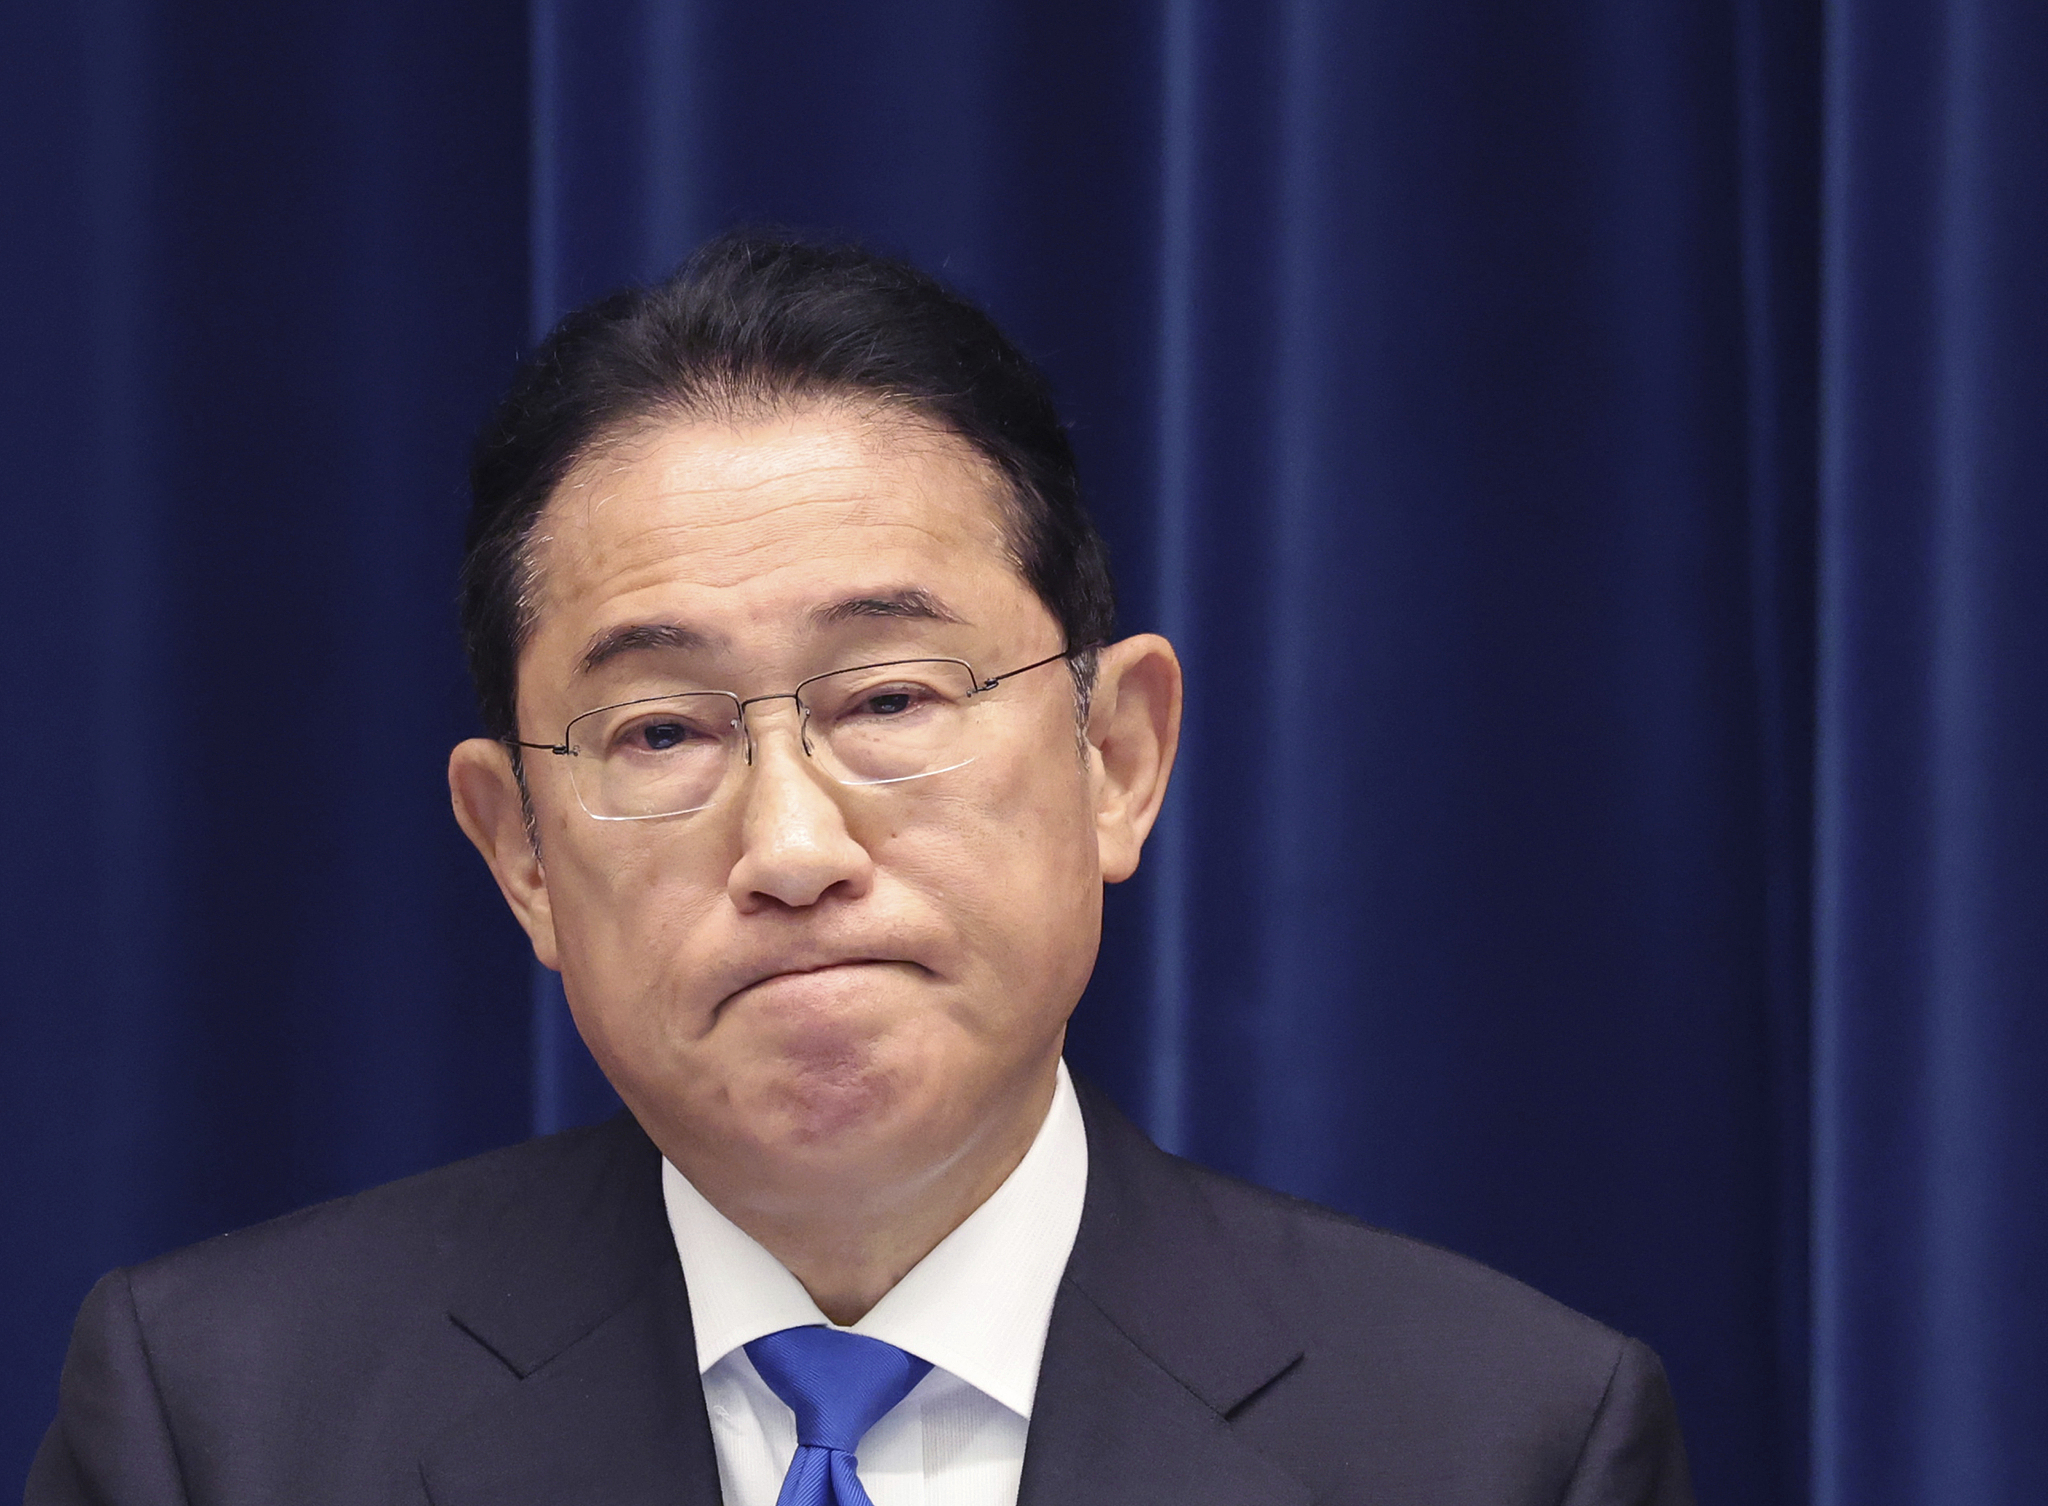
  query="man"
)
[{"x": 810, "y": 755}]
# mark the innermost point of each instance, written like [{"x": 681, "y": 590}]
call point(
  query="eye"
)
[
  {"x": 893, "y": 696},
  {"x": 665, "y": 734},
  {"x": 658, "y": 736},
  {"x": 896, "y": 701}
]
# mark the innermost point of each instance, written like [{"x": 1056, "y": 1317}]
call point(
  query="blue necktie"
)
[{"x": 839, "y": 1385}]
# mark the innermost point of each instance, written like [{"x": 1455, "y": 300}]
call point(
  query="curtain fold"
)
[
  {"x": 1587, "y": 457},
  {"x": 1931, "y": 1135}
]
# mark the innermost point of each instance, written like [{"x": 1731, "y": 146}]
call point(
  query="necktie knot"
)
[{"x": 838, "y": 1384}]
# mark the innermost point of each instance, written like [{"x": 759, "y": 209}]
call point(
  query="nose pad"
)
[{"x": 803, "y": 725}]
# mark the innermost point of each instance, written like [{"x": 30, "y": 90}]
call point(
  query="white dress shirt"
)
[{"x": 977, "y": 1307}]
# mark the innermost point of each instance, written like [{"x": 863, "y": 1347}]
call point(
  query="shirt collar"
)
[{"x": 976, "y": 1306}]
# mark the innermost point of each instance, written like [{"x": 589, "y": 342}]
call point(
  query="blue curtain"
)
[
  {"x": 264, "y": 266},
  {"x": 1587, "y": 456},
  {"x": 1930, "y": 1170}
]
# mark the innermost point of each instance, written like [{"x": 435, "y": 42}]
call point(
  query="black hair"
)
[{"x": 757, "y": 319}]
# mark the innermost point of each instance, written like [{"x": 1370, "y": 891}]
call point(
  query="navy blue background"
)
[{"x": 1588, "y": 456}]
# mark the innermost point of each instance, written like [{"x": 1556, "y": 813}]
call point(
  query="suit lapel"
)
[
  {"x": 1155, "y": 1340},
  {"x": 585, "y": 1311}
]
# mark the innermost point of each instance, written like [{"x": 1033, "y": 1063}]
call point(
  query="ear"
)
[
  {"x": 487, "y": 805},
  {"x": 1133, "y": 729}
]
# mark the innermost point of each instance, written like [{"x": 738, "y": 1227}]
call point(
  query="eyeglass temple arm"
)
[
  {"x": 1011, "y": 674},
  {"x": 560, "y": 750}
]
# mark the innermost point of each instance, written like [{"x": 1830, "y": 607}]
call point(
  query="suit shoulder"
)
[
  {"x": 1343, "y": 1271},
  {"x": 413, "y": 1225},
  {"x": 1349, "y": 1290},
  {"x": 1446, "y": 1380}
]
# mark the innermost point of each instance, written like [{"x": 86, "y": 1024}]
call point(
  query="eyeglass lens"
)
[{"x": 671, "y": 755}]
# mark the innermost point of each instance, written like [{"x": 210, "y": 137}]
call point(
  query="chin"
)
[{"x": 828, "y": 1107}]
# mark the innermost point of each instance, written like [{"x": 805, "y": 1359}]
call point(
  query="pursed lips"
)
[{"x": 806, "y": 971}]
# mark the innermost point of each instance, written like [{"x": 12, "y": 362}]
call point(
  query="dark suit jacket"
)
[{"x": 513, "y": 1331}]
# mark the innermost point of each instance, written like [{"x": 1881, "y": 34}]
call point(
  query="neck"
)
[{"x": 850, "y": 1241}]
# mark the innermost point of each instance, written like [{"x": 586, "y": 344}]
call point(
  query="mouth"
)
[{"x": 838, "y": 965}]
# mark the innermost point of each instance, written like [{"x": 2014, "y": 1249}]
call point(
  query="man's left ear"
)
[{"x": 1133, "y": 729}]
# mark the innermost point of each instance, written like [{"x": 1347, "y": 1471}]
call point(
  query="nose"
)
[{"x": 795, "y": 846}]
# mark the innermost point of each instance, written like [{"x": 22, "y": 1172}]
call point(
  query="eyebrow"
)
[
  {"x": 633, "y": 637},
  {"x": 911, "y": 604}
]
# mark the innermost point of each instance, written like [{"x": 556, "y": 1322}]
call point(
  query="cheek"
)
[
  {"x": 633, "y": 914},
  {"x": 1008, "y": 859}
]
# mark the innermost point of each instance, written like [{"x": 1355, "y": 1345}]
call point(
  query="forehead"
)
[{"x": 743, "y": 526}]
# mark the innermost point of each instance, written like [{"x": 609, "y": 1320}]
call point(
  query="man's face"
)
[{"x": 809, "y": 974}]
